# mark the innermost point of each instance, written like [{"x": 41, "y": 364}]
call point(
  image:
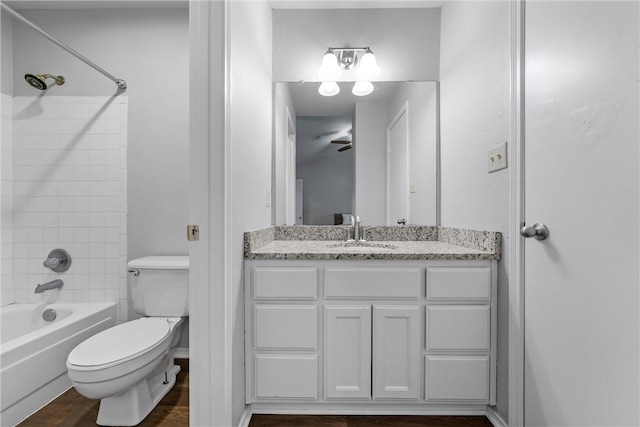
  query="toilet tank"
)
[{"x": 160, "y": 285}]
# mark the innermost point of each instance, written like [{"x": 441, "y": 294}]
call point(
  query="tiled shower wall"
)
[
  {"x": 70, "y": 192},
  {"x": 6, "y": 201}
]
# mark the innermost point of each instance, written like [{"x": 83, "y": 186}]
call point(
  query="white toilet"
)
[{"x": 131, "y": 366}]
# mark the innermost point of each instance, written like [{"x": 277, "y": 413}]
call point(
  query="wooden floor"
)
[{"x": 73, "y": 410}]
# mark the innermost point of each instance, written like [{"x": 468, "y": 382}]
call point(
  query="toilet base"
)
[{"x": 132, "y": 406}]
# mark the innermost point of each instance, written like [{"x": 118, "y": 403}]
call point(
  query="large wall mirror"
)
[{"x": 374, "y": 156}]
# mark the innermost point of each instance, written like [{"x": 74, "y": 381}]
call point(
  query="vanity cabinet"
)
[{"x": 350, "y": 334}]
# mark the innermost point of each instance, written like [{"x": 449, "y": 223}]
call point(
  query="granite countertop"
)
[{"x": 388, "y": 242}]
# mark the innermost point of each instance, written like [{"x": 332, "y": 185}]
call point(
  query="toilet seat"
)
[{"x": 120, "y": 344}]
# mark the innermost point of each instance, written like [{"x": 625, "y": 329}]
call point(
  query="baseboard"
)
[
  {"x": 495, "y": 418},
  {"x": 181, "y": 352},
  {"x": 246, "y": 417}
]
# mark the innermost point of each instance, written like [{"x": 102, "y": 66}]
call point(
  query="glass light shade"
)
[
  {"x": 362, "y": 88},
  {"x": 329, "y": 89},
  {"x": 329, "y": 70},
  {"x": 368, "y": 68}
]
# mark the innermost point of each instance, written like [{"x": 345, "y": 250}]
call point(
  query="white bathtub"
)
[{"x": 34, "y": 352}]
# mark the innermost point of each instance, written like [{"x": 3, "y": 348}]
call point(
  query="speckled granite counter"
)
[{"x": 385, "y": 242}]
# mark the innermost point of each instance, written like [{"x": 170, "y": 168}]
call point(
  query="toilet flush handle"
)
[{"x": 134, "y": 272}]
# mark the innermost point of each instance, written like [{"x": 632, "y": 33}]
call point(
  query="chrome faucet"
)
[
  {"x": 355, "y": 226},
  {"x": 54, "y": 284}
]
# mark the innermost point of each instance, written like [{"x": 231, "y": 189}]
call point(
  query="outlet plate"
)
[{"x": 497, "y": 157}]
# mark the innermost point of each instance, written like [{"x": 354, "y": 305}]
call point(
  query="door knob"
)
[{"x": 538, "y": 231}]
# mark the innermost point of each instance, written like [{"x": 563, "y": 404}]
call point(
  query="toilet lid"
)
[{"x": 120, "y": 342}]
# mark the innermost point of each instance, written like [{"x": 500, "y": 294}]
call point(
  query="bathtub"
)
[{"x": 33, "y": 352}]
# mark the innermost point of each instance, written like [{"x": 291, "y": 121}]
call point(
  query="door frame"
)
[
  {"x": 516, "y": 216},
  {"x": 404, "y": 109},
  {"x": 210, "y": 296}
]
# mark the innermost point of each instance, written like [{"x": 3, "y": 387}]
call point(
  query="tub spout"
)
[{"x": 54, "y": 284}]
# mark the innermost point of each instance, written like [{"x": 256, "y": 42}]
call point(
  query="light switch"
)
[
  {"x": 412, "y": 186},
  {"x": 268, "y": 198},
  {"x": 498, "y": 157}
]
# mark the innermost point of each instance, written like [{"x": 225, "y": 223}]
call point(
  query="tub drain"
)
[{"x": 49, "y": 315}]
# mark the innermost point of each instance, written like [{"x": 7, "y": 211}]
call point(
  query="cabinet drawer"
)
[
  {"x": 285, "y": 283},
  {"x": 286, "y": 326},
  {"x": 457, "y": 378},
  {"x": 286, "y": 376},
  {"x": 372, "y": 282},
  {"x": 459, "y": 283},
  {"x": 451, "y": 327}
]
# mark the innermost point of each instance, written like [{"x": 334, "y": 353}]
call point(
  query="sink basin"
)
[{"x": 363, "y": 245}]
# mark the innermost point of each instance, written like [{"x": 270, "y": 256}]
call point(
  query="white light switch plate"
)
[
  {"x": 412, "y": 186},
  {"x": 498, "y": 157},
  {"x": 268, "y": 198}
]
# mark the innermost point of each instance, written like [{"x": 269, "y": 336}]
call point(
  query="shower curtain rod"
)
[{"x": 121, "y": 83}]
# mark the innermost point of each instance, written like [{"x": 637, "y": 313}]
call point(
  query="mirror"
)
[{"x": 374, "y": 156}]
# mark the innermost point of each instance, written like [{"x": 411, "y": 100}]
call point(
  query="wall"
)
[
  {"x": 250, "y": 133},
  {"x": 69, "y": 192},
  {"x": 6, "y": 199},
  {"x": 301, "y": 37},
  {"x": 6, "y": 51},
  {"x": 149, "y": 50},
  {"x": 422, "y": 112},
  {"x": 328, "y": 176},
  {"x": 474, "y": 106},
  {"x": 370, "y": 145}
]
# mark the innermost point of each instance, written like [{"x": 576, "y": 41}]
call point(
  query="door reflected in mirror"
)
[{"x": 373, "y": 156}]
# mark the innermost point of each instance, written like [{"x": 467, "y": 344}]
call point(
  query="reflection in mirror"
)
[{"x": 373, "y": 156}]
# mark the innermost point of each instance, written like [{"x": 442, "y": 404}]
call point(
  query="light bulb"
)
[
  {"x": 368, "y": 69},
  {"x": 329, "y": 89},
  {"x": 329, "y": 70},
  {"x": 362, "y": 88}
]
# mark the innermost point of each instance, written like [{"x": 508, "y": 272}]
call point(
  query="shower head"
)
[{"x": 38, "y": 80}]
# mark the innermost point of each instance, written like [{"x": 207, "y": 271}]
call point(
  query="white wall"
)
[
  {"x": 474, "y": 73},
  {"x": 370, "y": 146},
  {"x": 283, "y": 101},
  {"x": 149, "y": 49},
  {"x": 406, "y": 42},
  {"x": 422, "y": 106},
  {"x": 250, "y": 141}
]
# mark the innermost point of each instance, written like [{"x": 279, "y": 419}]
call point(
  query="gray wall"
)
[
  {"x": 406, "y": 42},
  {"x": 6, "y": 53},
  {"x": 149, "y": 49},
  {"x": 474, "y": 71}
]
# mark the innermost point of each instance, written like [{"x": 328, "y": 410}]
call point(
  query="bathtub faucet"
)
[{"x": 54, "y": 284}]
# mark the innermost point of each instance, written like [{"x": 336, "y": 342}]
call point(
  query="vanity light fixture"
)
[{"x": 337, "y": 59}]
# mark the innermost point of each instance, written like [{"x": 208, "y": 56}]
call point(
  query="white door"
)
[
  {"x": 396, "y": 352},
  {"x": 581, "y": 178},
  {"x": 347, "y": 352},
  {"x": 398, "y": 168},
  {"x": 299, "y": 195},
  {"x": 290, "y": 177}
]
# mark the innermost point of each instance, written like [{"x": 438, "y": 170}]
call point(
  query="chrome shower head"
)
[{"x": 38, "y": 80}]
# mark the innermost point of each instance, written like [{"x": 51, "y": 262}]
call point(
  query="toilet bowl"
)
[{"x": 130, "y": 367}]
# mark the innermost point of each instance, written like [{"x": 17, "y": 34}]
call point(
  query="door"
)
[
  {"x": 290, "y": 177},
  {"x": 581, "y": 180},
  {"x": 396, "y": 352},
  {"x": 348, "y": 352},
  {"x": 299, "y": 195},
  {"x": 398, "y": 168}
]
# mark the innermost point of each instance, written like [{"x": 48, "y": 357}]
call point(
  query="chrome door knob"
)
[{"x": 538, "y": 231}]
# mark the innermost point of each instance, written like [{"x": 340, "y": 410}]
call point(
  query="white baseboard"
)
[
  {"x": 181, "y": 352},
  {"x": 495, "y": 418},
  {"x": 246, "y": 417}
]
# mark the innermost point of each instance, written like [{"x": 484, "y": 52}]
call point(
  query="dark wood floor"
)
[
  {"x": 73, "y": 410},
  {"x": 366, "y": 421}
]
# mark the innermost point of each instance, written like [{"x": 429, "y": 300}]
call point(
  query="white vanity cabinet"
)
[{"x": 343, "y": 334}]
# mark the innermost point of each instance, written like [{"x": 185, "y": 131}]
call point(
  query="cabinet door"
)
[
  {"x": 396, "y": 351},
  {"x": 457, "y": 378},
  {"x": 293, "y": 376},
  {"x": 347, "y": 352}
]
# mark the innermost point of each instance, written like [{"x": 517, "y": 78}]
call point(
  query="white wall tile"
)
[{"x": 63, "y": 187}]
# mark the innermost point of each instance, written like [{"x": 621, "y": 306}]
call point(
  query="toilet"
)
[{"x": 130, "y": 367}]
